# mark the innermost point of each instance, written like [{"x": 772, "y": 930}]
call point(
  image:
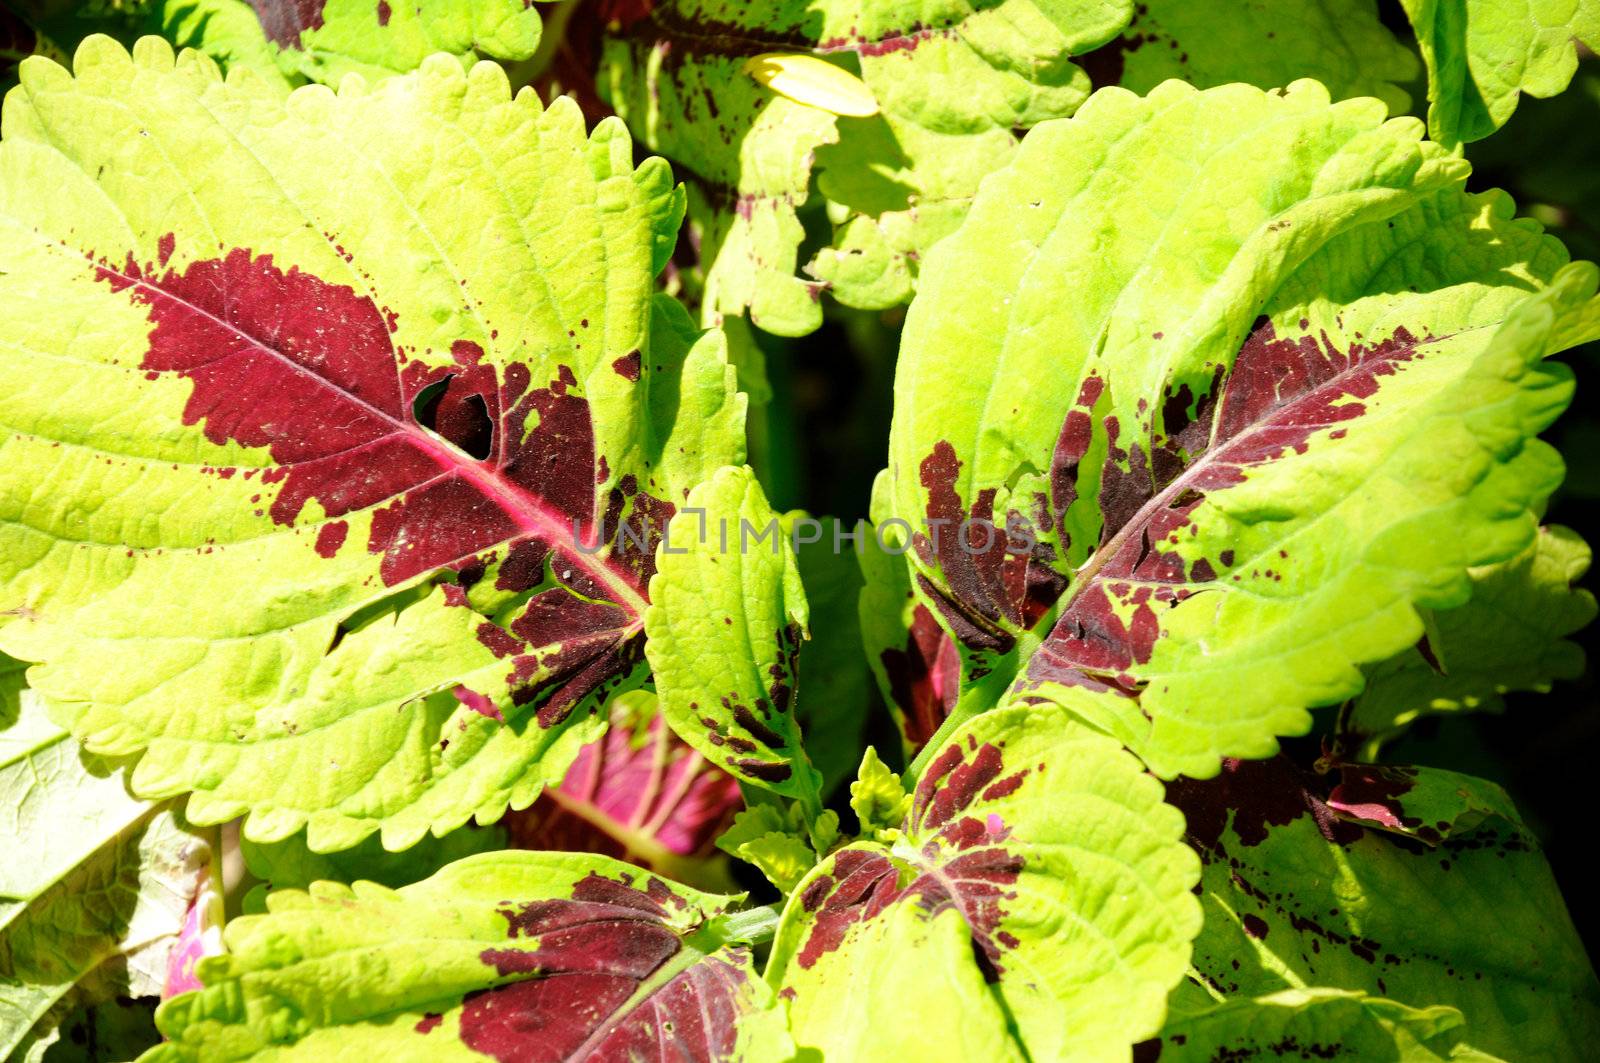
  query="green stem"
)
[{"x": 751, "y": 926}]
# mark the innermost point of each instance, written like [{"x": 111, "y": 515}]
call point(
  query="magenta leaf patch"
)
[{"x": 640, "y": 794}]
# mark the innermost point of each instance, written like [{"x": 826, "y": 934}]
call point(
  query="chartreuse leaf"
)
[
  {"x": 311, "y": 496},
  {"x": 231, "y": 32},
  {"x": 783, "y": 857},
  {"x": 946, "y": 1012},
  {"x": 782, "y": 843},
  {"x": 1298, "y": 892},
  {"x": 900, "y": 164},
  {"x": 1294, "y": 398},
  {"x": 832, "y": 694},
  {"x": 1039, "y": 881},
  {"x": 323, "y": 40},
  {"x": 1511, "y": 635},
  {"x": 588, "y": 957},
  {"x": 916, "y": 664},
  {"x": 727, "y": 615},
  {"x": 954, "y": 92},
  {"x": 291, "y": 865},
  {"x": 1268, "y": 43},
  {"x": 1317, "y": 1024},
  {"x": 744, "y": 150},
  {"x": 1482, "y": 55},
  {"x": 94, "y": 885},
  {"x": 877, "y": 798}
]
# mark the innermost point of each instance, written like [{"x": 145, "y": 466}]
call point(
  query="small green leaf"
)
[
  {"x": 783, "y": 858},
  {"x": 754, "y": 822},
  {"x": 879, "y": 801},
  {"x": 725, "y": 622}
]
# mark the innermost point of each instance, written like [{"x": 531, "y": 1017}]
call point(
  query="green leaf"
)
[
  {"x": 120, "y": 1028},
  {"x": 94, "y": 885},
  {"x": 1511, "y": 635},
  {"x": 832, "y": 694},
  {"x": 1045, "y": 845},
  {"x": 745, "y": 152},
  {"x": 1296, "y": 894},
  {"x": 755, "y": 821},
  {"x": 1482, "y": 55},
  {"x": 1317, "y": 1023},
  {"x": 905, "y": 179},
  {"x": 326, "y": 39},
  {"x": 599, "y": 958},
  {"x": 291, "y": 864},
  {"x": 916, "y": 664},
  {"x": 878, "y": 799},
  {"x": 901, "y": 179},
  {"x": 725, "y": 622},
  {"x": 782, "y": 857},
  {"x": 336, "y": 577},
  {"x": 1294, "y": 398},
  {"x": 1268, "y": 43}
]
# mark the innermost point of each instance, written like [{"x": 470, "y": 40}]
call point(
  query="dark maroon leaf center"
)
[{"x": 581, "y": 993}]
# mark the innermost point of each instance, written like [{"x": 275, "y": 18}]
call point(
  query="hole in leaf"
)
[{"x": 459, "y": 416}]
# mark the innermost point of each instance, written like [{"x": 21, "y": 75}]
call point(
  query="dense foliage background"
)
[{"x": 820, "y": 376}]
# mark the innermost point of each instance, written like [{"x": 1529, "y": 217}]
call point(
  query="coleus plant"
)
[{"x": 360, "y": 485}]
